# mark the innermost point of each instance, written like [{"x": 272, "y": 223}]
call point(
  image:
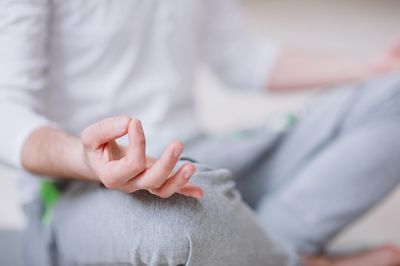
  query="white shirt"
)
[{"x": 72, "y": 63}]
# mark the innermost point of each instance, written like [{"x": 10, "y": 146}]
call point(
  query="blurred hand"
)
[
  {"x": 128, "y": 168},
  {"x": 389, "y": 61}
]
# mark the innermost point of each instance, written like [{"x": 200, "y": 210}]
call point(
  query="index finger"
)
[{"x": 104, "y": 131}]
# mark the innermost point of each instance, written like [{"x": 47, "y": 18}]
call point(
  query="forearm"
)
[
  {"x": 54, "y": 153},
  {"x": 297, "y": 69}
]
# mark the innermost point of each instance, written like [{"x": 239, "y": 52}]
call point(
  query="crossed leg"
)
[{"x": 329, "y": 169}]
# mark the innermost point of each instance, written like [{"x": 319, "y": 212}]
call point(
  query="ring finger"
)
[{"x": 176, "y": 182}]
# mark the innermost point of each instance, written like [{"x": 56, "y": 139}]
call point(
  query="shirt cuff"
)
[{"x": 16, "y": 141}]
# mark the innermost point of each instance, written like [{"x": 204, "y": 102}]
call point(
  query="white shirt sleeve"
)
[
  {"x": 232, "y": 53},
  {"x": 23, "y": 66}
]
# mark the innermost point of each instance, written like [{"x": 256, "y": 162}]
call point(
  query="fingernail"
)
[
  {"x": 198, "y": 195},
  {"x": 122, "y": 123},
  {"x": 187, "y": 174},
  {"x": 139, "y": 126},
  {"x": 177, "y": 151}
]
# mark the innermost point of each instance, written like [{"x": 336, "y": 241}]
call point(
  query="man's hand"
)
[
  {"x": 389, "y": 62},
  {"x": 128, "y": 168}
]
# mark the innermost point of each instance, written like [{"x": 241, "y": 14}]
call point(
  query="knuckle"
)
[
  {"x": 110, "y": 184},
  {"x": 153, "y": 184},
  {"x": 135, "y": 166},
  {"x": 128, "y": 189},
  {"x": 140, "y": 184},
  {"x": 164, "y": 194},
  {"x": 138, "y": 167},
  {"x": 169, "y": 165},
  {"x": 141, "y": 165},
  {"x": 141, "y": 140}
]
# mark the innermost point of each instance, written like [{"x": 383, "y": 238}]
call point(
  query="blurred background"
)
[{"x": 354, "y": 27}]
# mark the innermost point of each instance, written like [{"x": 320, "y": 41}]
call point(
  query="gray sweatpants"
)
[
  {"x": 96, "y": 226},
  {"x": 304, "y": 186}
]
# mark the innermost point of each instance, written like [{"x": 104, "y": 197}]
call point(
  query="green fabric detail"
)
[
  {"x": 291, "y": 120},
  {"x": 49, "y": 195},
  {"x": 282, "y": 124},
  {"x": 245, "y": 134}
]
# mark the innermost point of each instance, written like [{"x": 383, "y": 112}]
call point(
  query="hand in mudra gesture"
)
[{"x": 129, "y": 168}]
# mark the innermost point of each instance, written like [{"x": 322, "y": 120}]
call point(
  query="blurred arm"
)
[
  {"x": 97, "y": 157},
  {"x": 242, "y": 62},
  {"x": 296, "y": 69}
]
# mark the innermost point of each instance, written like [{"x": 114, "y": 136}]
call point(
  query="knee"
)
[
  {"x": 143, "y": 229},
  {"x": 384, "y": 88},
  {"x": 181, "y": 230},
  {"x": 381, "y": 91},
  {"x": 375, "y": 100}
]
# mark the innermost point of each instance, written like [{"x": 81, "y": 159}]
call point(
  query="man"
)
[{"x": 71, "y": 68}]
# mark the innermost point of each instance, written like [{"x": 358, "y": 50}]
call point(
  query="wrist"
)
[{"x": 79, "y": 168}]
